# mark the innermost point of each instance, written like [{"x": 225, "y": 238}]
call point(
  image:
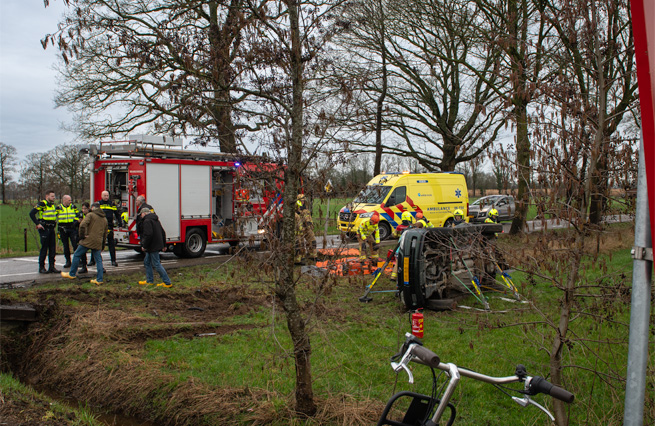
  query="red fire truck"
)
[{"x": 200, "y": 197}]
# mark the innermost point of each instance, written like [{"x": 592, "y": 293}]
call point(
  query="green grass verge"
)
[{"x": 38, "y": 407}]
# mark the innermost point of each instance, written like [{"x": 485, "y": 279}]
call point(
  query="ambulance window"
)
[{"x": 397, "y": 196}]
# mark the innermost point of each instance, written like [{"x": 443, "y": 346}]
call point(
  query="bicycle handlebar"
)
[
  {"x": 425, "y": 356},
  {"x": 540, "y": 385},
  {"x": 414, "y": 351}
]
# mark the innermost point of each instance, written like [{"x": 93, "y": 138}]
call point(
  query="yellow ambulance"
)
[{"x": 436, "y": 195}]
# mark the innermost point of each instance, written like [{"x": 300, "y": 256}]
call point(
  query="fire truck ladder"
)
[{"x": 134, "y": 148}]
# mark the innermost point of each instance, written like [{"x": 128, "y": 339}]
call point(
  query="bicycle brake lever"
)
[
  {"x": 402, "y": 365},
  {"x": 397, "y": 366},
  {"x": 526, "y": 400}
]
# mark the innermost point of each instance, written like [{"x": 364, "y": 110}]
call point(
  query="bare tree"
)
[
  {"x": 284, "y": 72},
  {"x": 36, "y": 173},
  {"x": 71, "y": 168},
  {"x": 516, "y": 27},
  {"x": 166, "y": 66},
  {"x": 596, "y": 66},
  {"x": 8, "y": 161},
  {"x": 439, "y": 79}
]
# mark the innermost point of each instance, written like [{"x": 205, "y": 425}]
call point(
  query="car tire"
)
[
  {"x": 385, "y": 230},
  {"x": 448, "y": 223}
]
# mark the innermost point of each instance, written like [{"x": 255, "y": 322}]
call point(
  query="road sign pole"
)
[{"x": 642, "y": 267}]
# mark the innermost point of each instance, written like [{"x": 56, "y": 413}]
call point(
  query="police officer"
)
[
  {"x": 44, "y": 215},
  {"x": 111, "y": 214},
  {"x": 68, "y": 221}
]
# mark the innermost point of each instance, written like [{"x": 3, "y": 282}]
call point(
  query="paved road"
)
[{"x": 22, "y": 271}]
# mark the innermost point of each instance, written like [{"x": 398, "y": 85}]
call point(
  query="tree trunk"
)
[
  {"x": 520, "y": 101},
  {"x": 523, "y": 169},
  {"x": 380, "y": 104},
  {"x": 566, "y": 305},
  {"x": 220, "y": 50},
  {"x": 285, "y": 287},
  {"x": 4, "y": 198}
]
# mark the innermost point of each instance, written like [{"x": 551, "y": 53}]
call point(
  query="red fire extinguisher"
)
[{"x": 417, "y": 323}]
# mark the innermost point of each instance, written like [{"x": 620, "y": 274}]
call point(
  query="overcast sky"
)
[{"x": 28, "y": 119}]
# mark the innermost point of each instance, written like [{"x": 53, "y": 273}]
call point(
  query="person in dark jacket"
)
[
  {"x": 93, "y": 232},
  {"x": 140, "y": 205},
  {"x": 153, "y": 240},
  {"x": 111, "y": 212}
]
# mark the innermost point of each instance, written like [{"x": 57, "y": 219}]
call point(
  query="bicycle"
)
[{"x": 421, "y": 406}]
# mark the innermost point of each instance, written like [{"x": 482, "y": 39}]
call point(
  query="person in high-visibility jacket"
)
[
  {"x": 459, "y": 217},
  {"x": 407, "y": 218},
  {"x": 368, "y": 234},
  {"x": 68, "y": 221},
  {"x": 492, "y": 216},
  {"x": 422, "y": 221},
  {"x": 44, "y": 216}
]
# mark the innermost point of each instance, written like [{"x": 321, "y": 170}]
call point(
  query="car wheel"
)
[
  {"x": 448, "y": 223},
  {"x": 385, "y": 230},
  {"x": 195, "y": 243}
]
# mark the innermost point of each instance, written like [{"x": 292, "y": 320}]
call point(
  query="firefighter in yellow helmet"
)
[
  {"x": 459, "y": 217},
  {"x": 492, "y": 216},
  {"x": 407, "y": 218},
  {"x": 422, "y": 221},
  {"x": 368, "y": 234},
  {"x": 407, "y": 221},
  {"x": 305, "y": 230}
]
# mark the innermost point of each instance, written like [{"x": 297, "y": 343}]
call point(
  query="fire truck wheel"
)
[{"x": 195, "y": 243}]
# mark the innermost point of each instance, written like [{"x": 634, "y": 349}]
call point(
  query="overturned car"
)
[{"x": 438, "y": 266}]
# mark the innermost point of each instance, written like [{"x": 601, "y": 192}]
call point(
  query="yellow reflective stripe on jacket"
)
[
  {"x": 108, "y": 207},
  {"x": 367, "y": 228},
  {"x": 47, "y": 212},
  {"x": 67, "y": 214},
  {"x": 427, "y": 224}
]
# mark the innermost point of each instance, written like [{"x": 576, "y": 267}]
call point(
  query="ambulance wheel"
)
[
  {"x": 448, "y": 223},
  {"x": 385, "y": 230},
  {"x": 195, "y": 243}
]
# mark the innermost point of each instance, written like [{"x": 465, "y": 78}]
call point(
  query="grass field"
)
[
  {"x": 145, "y": 347},
  {"x": 16, "y": 228}
]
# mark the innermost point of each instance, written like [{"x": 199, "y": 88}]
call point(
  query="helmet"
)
[
  {"x": 419, "y": 215},
  {"x": 300, "y": 197},
  {"x": 375, "y": 218},
  {"x": 493, "y": 212},
  {"x": 406, "y": 216},
  {"x": 459, "y": 212}
]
